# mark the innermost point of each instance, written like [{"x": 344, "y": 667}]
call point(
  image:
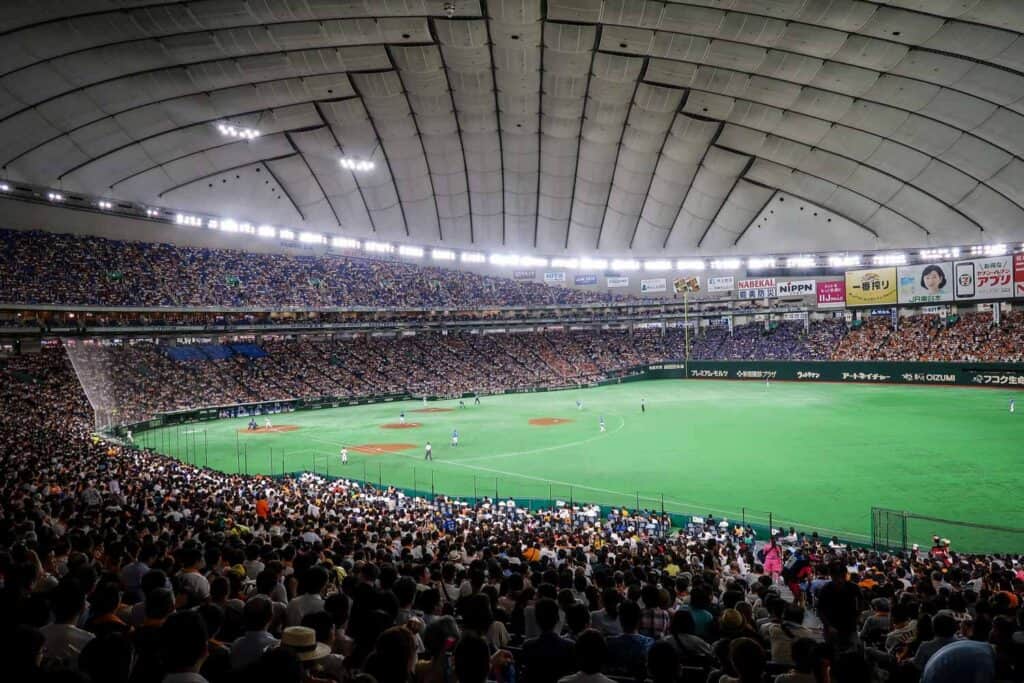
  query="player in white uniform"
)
[
  {"x": 603, "y": 429},
  {"x": 1013, "y": 407},
  {"x": 130, "y": 439},
  {"x": 266, "y": 423},
  {"x": 401, "y": 417},
  {"x": 455, "y": 437},
  {"x": 344, "y": 455},
  {"x": 579, "y": 404},
  {"x": 424, "y": 401},
  {"x": 428, "y": 452}
]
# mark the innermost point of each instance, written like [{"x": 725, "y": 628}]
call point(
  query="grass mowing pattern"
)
[{"x": 816, "y": 455}]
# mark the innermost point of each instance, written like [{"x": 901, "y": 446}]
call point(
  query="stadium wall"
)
[{"x": 1006, "y": 375}]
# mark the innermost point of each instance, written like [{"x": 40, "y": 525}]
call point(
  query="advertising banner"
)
[
  {"x": 585, "y": 279},
  {"x": 925, "y": 283},
  {"x": 657, "y": 284},
  {"x": 721, "y": 283},
  {"x": 614, "y": 281},
  {"x": 831, "y": 294},
  {"x": 983, "y": 278},
  {"x": 525, "y": 275},
  {"x": 756, "y": 288},
  {"x": 795, "y": 288},
  {"x": 871, "y": 287},
  {"x": 686, "y": 284},
  {"x": 554, "y": 277},
  {"x": 1018, "y": 275}
]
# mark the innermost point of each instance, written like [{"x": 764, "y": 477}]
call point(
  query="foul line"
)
[{"x": 622, "y": 423}]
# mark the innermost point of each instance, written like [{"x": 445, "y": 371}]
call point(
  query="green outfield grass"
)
[{"x": 815, "y": 455}]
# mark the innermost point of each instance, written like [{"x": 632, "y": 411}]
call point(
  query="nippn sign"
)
[{"x": 795, "y": 288}]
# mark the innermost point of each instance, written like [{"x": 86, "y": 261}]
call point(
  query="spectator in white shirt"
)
[
  {"x": 64, "y": 640},
  {"x": 312, "y": 583}
]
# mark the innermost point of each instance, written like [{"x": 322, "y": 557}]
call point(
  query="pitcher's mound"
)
[
  {"x": 548, "y": 421},
  {"x": 433, "y": 410},
  {"x": 271, "y": 430},
  {"x": 382, "y": 448},
  {"x": 401, "y": 425}
]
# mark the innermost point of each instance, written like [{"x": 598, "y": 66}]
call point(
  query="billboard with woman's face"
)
[{"x": 925, "y": 283}]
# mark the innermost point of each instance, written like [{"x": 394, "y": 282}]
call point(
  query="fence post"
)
[
  {"x": 637, "y": 500},
  {"x": 245, "y": 458},
  {"x": 743, "y": 517},
  {"x": 414, "y": 481},
  {"x": 474, "y": 489},
  {"x": 380, "y": 476},
  {"x": 433, "y": 496}
]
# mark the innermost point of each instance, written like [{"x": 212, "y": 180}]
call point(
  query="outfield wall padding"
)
[{"x": 1006, "y": 375}]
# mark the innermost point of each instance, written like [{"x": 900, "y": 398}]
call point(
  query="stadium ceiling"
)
[{"x": 615, "y": 127}]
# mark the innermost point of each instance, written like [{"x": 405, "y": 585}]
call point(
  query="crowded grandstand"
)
[{"x": 511, "y": 341}]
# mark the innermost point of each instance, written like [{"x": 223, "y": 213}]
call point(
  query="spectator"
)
[
  {"x": 549, "y": 656},
  {"x": 591, "y": 658}
]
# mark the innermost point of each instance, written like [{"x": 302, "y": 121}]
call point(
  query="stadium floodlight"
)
[
  {"x": 312, "y": 238},
  {"x": 213, "y": 224},
  {"x": 344, "y": 243},
  {"x": 266, "y": 231},
  {"x": 761, "y": 262},
  {"x": 104, "y": 204},
  {"x": 442, "y": 254},
  {"x": 593, "y": 264},
  {"x": 571, "y": 263},
  {"x": 843, "y": 261},
  {"x": 246, "y": 228},
  {"x": 504, "y": 260},
  {"x": 893, "y": 259},
  {"x": 533, "y": 262},
  {"x": 994, "y": 249},
  {"x": 185, "y": 219},
  {"x": 801, "y": 262},
  {"x": 228, "y": 225},
  {"x": 378, "y": 247},
  {"x": 4, "y": 187},
  {"x": 625, "y": 264},
  {"x": 286, "y": 234},
  {"x": 55, "y": 196},
  {"x": 356, "y": 164},
  {"x": 658, "y": 264},
  {"x": 231, "y": 131},
  {"x": 933, "y": 254},
  {"x": 690, "y": 264},
  {"x": 473, "y": 257},
  {"x": 152, "y": 213},
  {"x": 410, "y": 251},
  {"x": 726, "y": 264}
]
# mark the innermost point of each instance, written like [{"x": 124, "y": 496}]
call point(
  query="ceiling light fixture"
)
[
  {"x": 356, "y": 164},
  {"x": 231, "y": 131},
  {"x": 760, "y": 263}
]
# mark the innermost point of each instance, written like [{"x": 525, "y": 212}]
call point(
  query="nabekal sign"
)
[{"x": 756, "y": 288}]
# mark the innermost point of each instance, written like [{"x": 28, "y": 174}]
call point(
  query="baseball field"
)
[{"x": 816, "y": 456}]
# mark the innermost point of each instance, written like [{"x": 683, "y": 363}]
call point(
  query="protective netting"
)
[
  {"x": 98, "y": 374},
  {"x": 900, "y": 530}
]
